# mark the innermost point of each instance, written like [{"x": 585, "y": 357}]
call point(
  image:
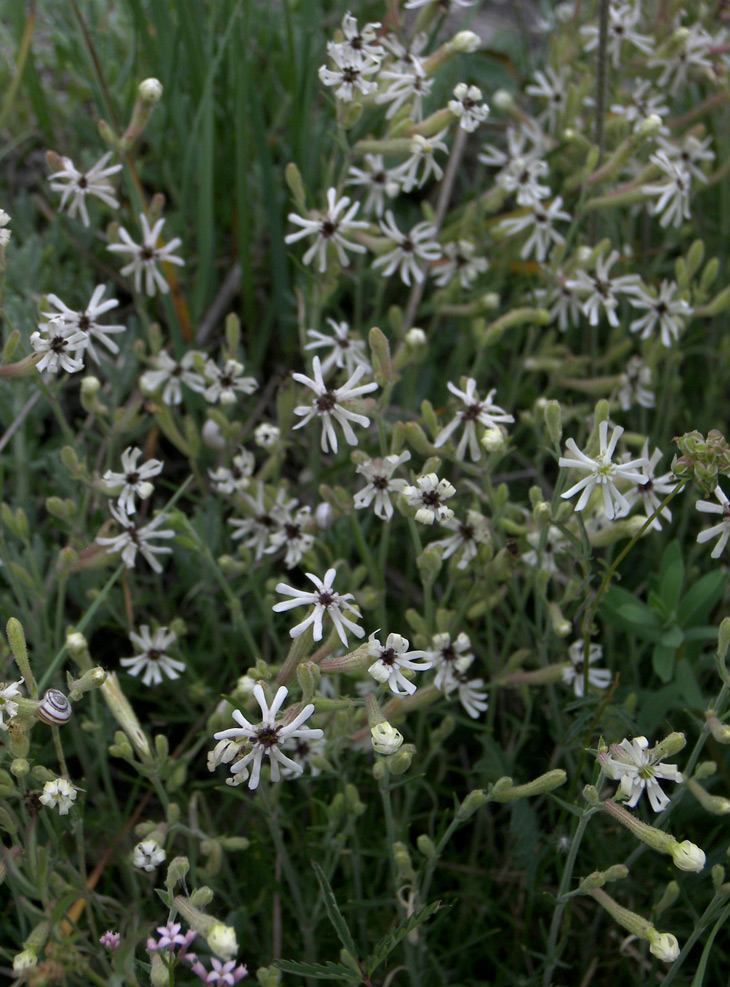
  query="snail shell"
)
[{"x": 54, "y": 708}]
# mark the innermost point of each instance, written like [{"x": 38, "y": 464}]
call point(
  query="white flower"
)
[
  {"x": 552, "y": 86},
  {"x": 422, "y": 153},
  {"x": 409, "y": 248},
  {"x": 634, "y": 385},
  {"x": 328, "y": 405},
  {"x": 56, "y": 340},
  {"x": 134, "y": 538},
  {"x": 223, "y": 383},
  {"x": 622, "y": 19},
  {"x": 690, "y": 152},
  {"x": 8, "y": 691},
  {"x": 348, "y": 352},
  {"x": 428, "y": 495},
  {"x": 266, "y": 436},
  {"x": 359, "y": 45},
  {"x": 407, "y": 78},
  {"x": 544, "y": 546},
  {"x": 688, "y": 52},
  {"x": 378, "y": 180},
  {"x": 349, "y": 73},
  {"x": 574, "y": 674},
  {"x": 484, "y": 412},
  {"x": 267, "y": 738},
  {"x": 145, "y": 256},
  {"x": 471, "y": 696},
  {"x": 151, "y": 658},
  {"x": 133, "y": 479},
  {"x": 542, "y": 236},
  {"x": 59, "y": 794},
  {"x": 602, "y": 472},
  {"x": 392, "y": 659},
  {"x": 147, "y": 855},
  {"x": 329, "y": 227},
  {"x": 237, "y": 478},
  {"x": 291, "y": 533},
  {"x": 172, "y": 373},
  {"x": 641, "y": 105},
  {"x": 451, "y": 659},
  {"x": 653, "y": 489},
  {"x": 324, "y": 600},
  {"x": 672, "y": 202},
  {"x": 722, "y": 528},
  {"x": 636, "y": 768},
  {"x": 468, "y": 107},
  {"x": 86, "y": 320},
  {"x": 264, "y": 519},
  {"x": 4, "y": 234},
  {"x": 602, "y": 289},
  {"x": 458, "y": 258},
  {"x": 468, "y": 536},
  {"x": 71, "y": 183},
  {"x": 520, "y": 176},
  {"x": 381, "y": 484}
]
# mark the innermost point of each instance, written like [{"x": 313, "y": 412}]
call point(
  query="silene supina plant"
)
[{"x": 412, "y": 324}]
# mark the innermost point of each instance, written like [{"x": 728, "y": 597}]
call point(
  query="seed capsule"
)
[{"x": 54, "y": 708}]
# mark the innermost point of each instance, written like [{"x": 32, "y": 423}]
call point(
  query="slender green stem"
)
[{"x": 552, "y": 952}]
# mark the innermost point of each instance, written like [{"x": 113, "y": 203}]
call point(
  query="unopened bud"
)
[
  {"x": 385, "y": 738},
  {"x": 150, "y": 90},
  {"x": 538, "y": 786},
  {"x": 553, "y": 421},
  {"x": 470, "y": 804}
]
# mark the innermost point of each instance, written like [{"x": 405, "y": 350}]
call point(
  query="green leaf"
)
[
  {"x": 333, "y": 912},
  {"x": 662, "y": 661},
  {"x": 389, "y": 941},
  {"x": 320, "y": 971},
  {"x": 671, "y": 575},
  {"x": 702, "y": 598},
  {"x": 623, "y": 610}
]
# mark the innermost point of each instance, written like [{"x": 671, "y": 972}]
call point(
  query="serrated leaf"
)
[
  {"x": 320, "y": 971},
  {"x": 333, "y": 912},
  {"x": 389, "y": 941}
]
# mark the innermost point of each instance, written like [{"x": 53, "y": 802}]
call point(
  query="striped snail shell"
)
[{"x": 54, "y": 708}]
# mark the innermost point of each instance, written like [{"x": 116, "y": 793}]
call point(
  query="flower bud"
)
[
  {"x": 19, "y": 767},
  {"x": 671, "y": 893},
  {"x": 470, "y": 804},
  {"x": 720, "y": 731},
  {"x": 427, "y": 847},
  {"x": 400, "y": 762},
  {"x": 688, "y": 856},
  {"x": 664, "y": 946},
  {"x": 553, "y": 421},
  {"x": 464, "y": 42},
  {"x": 385, "y": 738},
  {"x": 415, "y": 338},
  {"x": 539, "y": 786},
  {"x": 494, "y": 440},
  {"x": 25, "y": 961},
  {"x": 150, "y": 90}
]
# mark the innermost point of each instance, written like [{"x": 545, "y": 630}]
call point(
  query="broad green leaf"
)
[
  {"x": 389, "y": 941},
  {"x": 671, "y": 575},
  {"x": 320, "y": 971},
  {"x": 662, "y": 661},
  {"x": 702, "y": 598},
  {"x": 333, "y": 912},
  {"x": 686, "y": 679},
  {"x": 623, "y": 610}
]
